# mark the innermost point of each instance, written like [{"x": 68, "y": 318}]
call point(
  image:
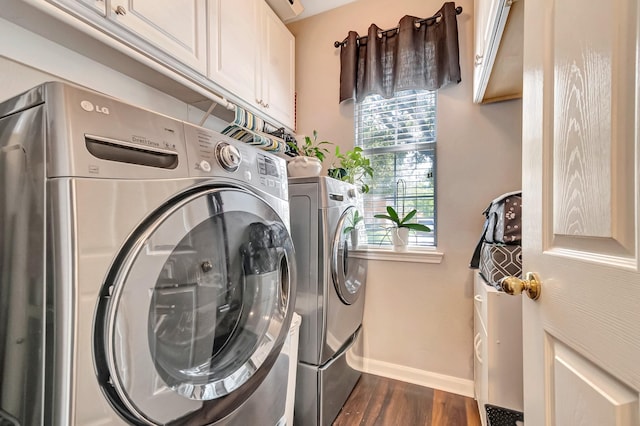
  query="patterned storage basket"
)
[{"x": 498, "y": 261}]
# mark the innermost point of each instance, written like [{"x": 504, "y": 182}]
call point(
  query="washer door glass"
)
[
  {"x": 198, "y": 304},
  {"x": 348, "y": 273}
]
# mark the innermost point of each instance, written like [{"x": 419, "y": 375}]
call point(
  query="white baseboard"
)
[{"x": 428, "y": 379}]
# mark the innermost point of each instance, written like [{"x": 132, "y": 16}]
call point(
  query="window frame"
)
[{"x": 428, "y": 147}]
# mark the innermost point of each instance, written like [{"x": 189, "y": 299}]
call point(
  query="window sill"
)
[{"x": 413, "y": 254}]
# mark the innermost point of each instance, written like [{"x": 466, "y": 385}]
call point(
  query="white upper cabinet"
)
[
  {"x": 81, "y": 6},
  {"x": 278, "y": 69},
  {"x": 233, "y": 46},
  {"x": 251, "y": 54},
  {"x": 238, "y": 49},
  {"x": 497, "y": 72},
  {"x": 175, "y": 27},
  {"x": 98, "y": 6}
]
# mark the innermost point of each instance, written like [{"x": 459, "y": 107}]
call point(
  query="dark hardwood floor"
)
[{"x": 385, "y": 402}]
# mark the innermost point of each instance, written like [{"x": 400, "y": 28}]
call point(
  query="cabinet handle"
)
[
  {"x": 478, "y": 60},
  {"x": 121, "y": 11},
  {"x": 478, "y": 298},
  {"x": 265, "y": 105},
  {"x": 476, "y": 346}
]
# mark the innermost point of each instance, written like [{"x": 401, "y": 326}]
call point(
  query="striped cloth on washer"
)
[
  {"x": 251, "y": 129},
  {"x": 255, "y": 138}
]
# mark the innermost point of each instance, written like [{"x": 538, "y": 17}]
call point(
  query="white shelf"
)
[{"x": 497, "y": 348}]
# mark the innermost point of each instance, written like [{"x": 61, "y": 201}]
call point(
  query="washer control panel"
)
[
  {"x": 228, "y": 156},
  {"x": 271, "y": 170},
  {"x": 212, "y": 154},
  {"x": 204, "y": 165}
]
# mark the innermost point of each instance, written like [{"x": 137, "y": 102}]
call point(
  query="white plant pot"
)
[
  {"x": 354, "y": 239},
  {"x": 400, "y": 238},
  {"x": 304, "y": 167}
]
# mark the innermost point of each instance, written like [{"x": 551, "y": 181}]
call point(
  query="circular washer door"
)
[
  {"x": 348, "y": 273},
  {"x": 195, "y": 309}
]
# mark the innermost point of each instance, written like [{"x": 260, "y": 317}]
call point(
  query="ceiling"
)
[{"x": 314, "y": 7}]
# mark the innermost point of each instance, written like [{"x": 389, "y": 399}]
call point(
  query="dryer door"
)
[
  {"x": 196, "y": 309},
  {"x": 349, "y": 274}
]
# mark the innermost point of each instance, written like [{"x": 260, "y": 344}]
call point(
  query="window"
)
[{"x": 398, "y": 135}]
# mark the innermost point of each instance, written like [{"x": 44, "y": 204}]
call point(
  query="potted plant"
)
[
  {"x": 352, "y": 167},
  {"x": 352, "y": 227},
  {"x": 401, "y": 224},
  {"x": 310, "y": 155}
]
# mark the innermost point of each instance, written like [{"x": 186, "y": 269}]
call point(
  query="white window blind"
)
[{"x": 398, "y": 135}]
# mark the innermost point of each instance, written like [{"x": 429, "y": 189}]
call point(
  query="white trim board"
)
[{"x": 428, "y": 379}]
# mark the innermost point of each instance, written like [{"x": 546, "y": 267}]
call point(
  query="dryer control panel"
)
[{"x": 216, "y": 155}]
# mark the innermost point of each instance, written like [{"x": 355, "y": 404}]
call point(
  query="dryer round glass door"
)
[
  {"x": 348, "y": 273},
  {"x": 196, "y": 308}
]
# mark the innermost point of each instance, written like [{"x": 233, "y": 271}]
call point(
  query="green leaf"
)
[
  {"x": 409, "y": 216},
  {"x": 416, "y": 227},
  {"x": 383, "y": 216},
  {"x": 312, "y": 148},
  {"x": 355, "y": 165},
  {"x": 294, "y": 147},
  {"x": 393, "y": 214}
]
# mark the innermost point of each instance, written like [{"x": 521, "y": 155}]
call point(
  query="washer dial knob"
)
[{"x": 228, "y": 156}]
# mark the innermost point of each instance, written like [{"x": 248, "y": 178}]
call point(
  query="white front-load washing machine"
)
[{"x": 147, "y": 273}]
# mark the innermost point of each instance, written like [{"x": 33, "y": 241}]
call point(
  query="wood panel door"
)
[
  {"x": 175, "y": 27},
  {"x": 581, "y": 338}
]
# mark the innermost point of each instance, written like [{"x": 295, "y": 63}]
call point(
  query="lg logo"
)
[{"x": 89, "y": 107}]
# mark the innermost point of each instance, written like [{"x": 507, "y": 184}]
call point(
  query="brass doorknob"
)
[{"x": 515, "y": 286}]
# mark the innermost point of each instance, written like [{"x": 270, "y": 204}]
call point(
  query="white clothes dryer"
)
[{"x": 147, "y": 271}]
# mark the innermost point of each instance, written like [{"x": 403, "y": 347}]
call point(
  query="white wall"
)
[{"x": 419, "y": 317}]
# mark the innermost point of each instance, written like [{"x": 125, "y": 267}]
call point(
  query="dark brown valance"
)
[{"x": 415, "y": 56}]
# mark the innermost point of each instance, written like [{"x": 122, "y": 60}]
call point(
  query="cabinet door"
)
[
  {"x": 177, "y": 28},
  {"x": 234, "y": 46},
  {"x": 278, "y": 83},
  {"x": 481, "y": 8},
  {"x": 480, "y": 368},
  {"x": 498, "y": 347},
  {"x": 480, "y": 348}
]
